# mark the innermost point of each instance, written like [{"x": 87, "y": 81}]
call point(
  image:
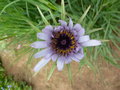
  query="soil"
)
[{"x": 107, "y": 78}]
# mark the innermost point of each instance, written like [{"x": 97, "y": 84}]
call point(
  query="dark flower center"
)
[{"x": 63, "y": 42}]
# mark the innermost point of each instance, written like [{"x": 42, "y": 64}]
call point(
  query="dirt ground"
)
[{"x": 108, "y": 77}]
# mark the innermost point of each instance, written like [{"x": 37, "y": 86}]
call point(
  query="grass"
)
[{"x": 20, "y": 20}]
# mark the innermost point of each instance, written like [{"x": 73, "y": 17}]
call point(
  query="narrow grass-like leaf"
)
[
  {"x": 30, "y": 58},
  {"x": 6, "y": 37},
  {"x": 51, "y": 71},
  {"x": 111, "y": 60},
  {"x": 8, "y": 6},
  {"x": 49, "y": 4},
  {"x": 54, "y": 20},
  {"x": 84, "y": 15},
  {"x": 69, "y": 72},
  {"x": 63, "y": 10},
  {"x": 33, "y": 26},
  {"x": 96, "y": 52},
  {"x": 69, "y": 3},
  {"x": 43, "y": 17},
  {"x": 104, "y": 40},
  {"x": 94, "y": 30},
  {"x": 90, "y": 65},
  {"x": 117, "y": 46},
  {"x": 27, "y": 11}
]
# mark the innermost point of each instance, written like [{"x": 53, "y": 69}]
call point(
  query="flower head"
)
[{"x": 62, "y": 43}]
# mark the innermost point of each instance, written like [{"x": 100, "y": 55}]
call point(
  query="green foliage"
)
[
  {"x": 7, "y": 82},
  {"x": 20, "y": 20}
]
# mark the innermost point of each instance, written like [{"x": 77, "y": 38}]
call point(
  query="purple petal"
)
[
  {"x": 70, "y": 24},
  {"x": 68, "y": 60},
  {"x": 42, "y": 53},
  {"x": 54, "y": 57},
  {"x": 41, "y": 64},
  {"x": 66, "y": 28},
  {"x": 63, "y": 23},
  {"x": 79, "y": 56},
  {"x": 42, "y": 36},
  {"x": 91, "y": 43},
  {"x": 39, "y": 44},
  {"x": 47, "y": 29},
  {"x": 58, "y": 28},
  {"x": 60, "y": 63},
  {"x": 79, "y": 29},
  {"x": 75, "y": 59},
  {"x": 77, "y": 48},
  {"x": 84, "y": 38},
  {"x": 50, "y": 53}
]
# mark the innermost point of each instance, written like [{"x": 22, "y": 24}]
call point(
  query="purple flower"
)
[
  {"x": 9, "y": 86},
  {"x": 62, "y": 44}
]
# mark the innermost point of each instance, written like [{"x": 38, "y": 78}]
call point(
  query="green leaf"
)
[
  {"x": 69, "y": 72},
  {"x": 94, "y": 30},
  {"x": 54, "y": 20},
  {"x": 8, "y": 6},
  {"x": 43, "y": 17},
  {"x": 84, "y": 15},
  {"x": 62, "y": 10},
  {"x": 111, "y": 60},
  {"x": 51, "y": 71}
]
